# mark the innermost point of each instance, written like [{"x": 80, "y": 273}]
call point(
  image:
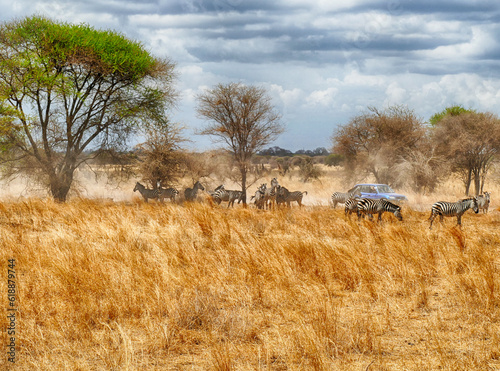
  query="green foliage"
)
[
  {"x": 307, "y": 170},
  {"x": 334, "y": 159},
  {"x": 70, "y": 90},
  {"x": 63, "y": 44},
  {"x": 449, "y": 111}
]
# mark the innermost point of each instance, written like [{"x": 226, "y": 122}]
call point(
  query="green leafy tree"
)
[
  {"x": 70, "y": 90},
  {"x": 243, "y": 119},
  {"x": 447, "y": 112}
]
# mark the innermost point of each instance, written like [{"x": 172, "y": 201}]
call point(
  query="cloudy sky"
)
[{"x": 322, "y": 61}]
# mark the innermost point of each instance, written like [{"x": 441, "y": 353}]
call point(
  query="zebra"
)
[
  {"x": 170, "y": 193},
  {"x": 370, "y": 206},
  {"x": 230, "y": 196},
  {"x": 259, "y": 196},
  {"x": 146, "y": 193},
  {"x": 215, "y": 191},
  {"x": 270, "y": 194},
  {"x": 341, "y": 198},
  {"x": 483, "y": 202},
  {"x": 190, "y": 193},
  {"x": 443, "y": 208},
  {"x": 284, "y": 195},
  {"x": 351, "y": 206}
]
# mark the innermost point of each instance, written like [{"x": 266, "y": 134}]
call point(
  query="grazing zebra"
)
[
  {"x": 457, "y": 209},
  {"x": 351, "y": 206},
  {"x": 284, "y": 195},
  {"x": 146, "y": 193},
  {"x": 190, "y": 193},
  {"x": 170, "y": 193},
  {"x": 483, "y": 202},
  {"x": 340, "y": 198},
  {"x": 370, "y": 207},
  {"x": 221, "y": 194}
]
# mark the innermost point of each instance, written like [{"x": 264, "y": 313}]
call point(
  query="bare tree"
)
[
  {"x": 376, "y": 141},
  {"x": 243, "y": 119},
  {"x": 160, "y": 155}
]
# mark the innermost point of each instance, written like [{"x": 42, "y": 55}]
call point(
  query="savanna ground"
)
[{"x": 125, "y": 285}]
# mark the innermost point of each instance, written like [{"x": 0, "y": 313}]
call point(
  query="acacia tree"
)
[
  {"x": 70, "y": 90},
  {"x": 242, "y": 118},
  {"x": 377, "y": 141},
  {"x": 160, "y": 155},
  {"x": 470, "y": 141}
]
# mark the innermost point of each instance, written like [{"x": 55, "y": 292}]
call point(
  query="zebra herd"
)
[
  {"x": 365, "y": 206},
  {"x": 268, "y": 197},
  {"x": 265, "y": 198}
]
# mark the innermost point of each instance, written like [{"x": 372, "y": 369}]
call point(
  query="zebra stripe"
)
[
  {"x": 146, "y": 193},
  {"x": 230, "y": 196},
  {"x": 340, "y": 198},
  {"x": 284, "y": 195},
  {"x": 368, "y": 206},
  {"x": 190, "y": 193},
  {"x": 259, "y": 196},
  {"x": 351, "y": 206},
  {"x": 270, "y": 194},
  {"x": 483, "y": 202},
  {"x": 170, "y": 193},
  {"x": 443, "y": 208}
]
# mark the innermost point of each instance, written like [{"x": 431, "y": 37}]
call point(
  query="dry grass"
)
[{"x": 115, "y": 286}]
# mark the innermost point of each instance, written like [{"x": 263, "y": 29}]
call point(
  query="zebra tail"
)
[{"x": 305, "y": 192}]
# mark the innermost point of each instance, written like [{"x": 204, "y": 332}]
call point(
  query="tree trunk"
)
[
  {"x": 243, "y": 172},
  {"x": 60, "y": 184},
  {"x": 477, "y": 181},
  {"x": 467, "y": 182}
]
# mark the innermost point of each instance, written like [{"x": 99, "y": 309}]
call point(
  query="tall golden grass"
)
[{"x": 135, "y": 286}]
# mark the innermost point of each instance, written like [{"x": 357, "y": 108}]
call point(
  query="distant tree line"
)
[
  {"x": 397, "y": 147},
  {"x": 281, "y": 152}
]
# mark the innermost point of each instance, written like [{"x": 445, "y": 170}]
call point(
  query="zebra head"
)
[
  {"x": 198, "y": 185},
  {"x": 475, "y": 205},
  {"x": 398, "y": 214},
  {"x": 274, "y": 183},
  {"x": 138, "y": 186}
]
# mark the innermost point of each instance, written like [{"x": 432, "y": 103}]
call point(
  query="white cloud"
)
[
  {"x": 395, "y": 94},
  {"x": 323, "y": 62},
  {"x": 480, "y": 41},
  {"x": 324, "y": 98}
]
